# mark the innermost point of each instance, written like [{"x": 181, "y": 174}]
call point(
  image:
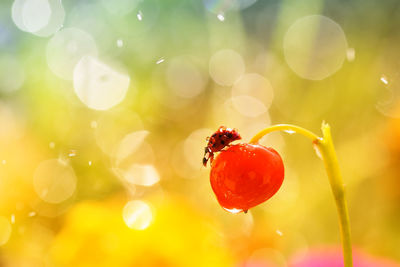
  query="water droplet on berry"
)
[{"x": 234, "y": 211}]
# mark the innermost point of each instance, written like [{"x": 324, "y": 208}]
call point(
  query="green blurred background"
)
[{"x": 105, "y": 107}]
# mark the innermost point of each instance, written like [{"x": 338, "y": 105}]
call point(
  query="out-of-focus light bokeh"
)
[{"x": 105, "y": 107}]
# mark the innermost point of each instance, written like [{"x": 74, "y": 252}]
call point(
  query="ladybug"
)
[{"x": 218, "y": 141}]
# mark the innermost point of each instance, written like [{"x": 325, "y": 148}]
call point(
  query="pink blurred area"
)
[
  {"x": 326, "y": 257},
  {"x": 332, "y": 257}
]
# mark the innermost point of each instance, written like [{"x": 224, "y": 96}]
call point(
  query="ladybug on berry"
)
[
  {"x": 218, "y": 141},
  {"x": 242, "y": 175}
]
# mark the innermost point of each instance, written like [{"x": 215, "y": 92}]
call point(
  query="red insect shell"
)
[
  {"x": 245, "y": 175},
  {"x": 218, "y": 141}
]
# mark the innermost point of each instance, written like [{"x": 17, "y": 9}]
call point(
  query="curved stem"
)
[
  {"x": 325, "y": 147},
  {"x": 284, "y": 127}
]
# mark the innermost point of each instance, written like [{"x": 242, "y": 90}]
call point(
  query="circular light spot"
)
[
  {"x": 133, "y": 160},
  {"x": 130, "y": 144},
  {"x": 5, "y": 230},
  {"x": 389, "y": 102},
  {"x": 226, "y": 67},
  {"x": 315, "y": 47},
  {"x": 97, "y": 85},
  {"x": 189, "y": 167},
  {"x": 184, "y": 78},
  {"x": 16, "y": 14},
  {"x": 164, "y": 95},
  {"x": 66, "y": 48},
  {"x": 248, "y": 105},
  {"x": 54, "y": 181},
  {"x": 9, "y": 65},
  {"x": 113, "y": 126},
  {"x": 89, "y": 16},
  {"x": 225, "y": 113},
  {"x": 137, "y": 215},
  {"x": 56, "y": 20},
  {"x": 255, "y": 86},
  {"x": 141, "y": 174},
  {"x": 40, "y": 17},
  {"x": 36, "y": 14}
]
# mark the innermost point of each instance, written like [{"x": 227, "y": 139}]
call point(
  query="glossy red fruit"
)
[{"x": 246, "y": 175}]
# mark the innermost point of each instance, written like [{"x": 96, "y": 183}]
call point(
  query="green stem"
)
[{"x": 325, "y": 146}]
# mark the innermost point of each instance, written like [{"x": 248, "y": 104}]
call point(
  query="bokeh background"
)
[{"x": 105, "y": 107}]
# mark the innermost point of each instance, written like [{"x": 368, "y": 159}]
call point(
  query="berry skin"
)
[{"x": 245, "y": 175}]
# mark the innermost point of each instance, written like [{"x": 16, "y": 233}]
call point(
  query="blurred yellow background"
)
[{"x": 105, "y": 107}]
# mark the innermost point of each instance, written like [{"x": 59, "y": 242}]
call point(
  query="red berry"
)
[{"x": 246, "y": 175}]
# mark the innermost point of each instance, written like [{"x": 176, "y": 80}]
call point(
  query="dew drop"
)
[
  {"x": 12, "y": 218},
  {"x": 72, "y": 153},
  {"x": 31, "y": 214},
  {"x": 221, "y": 17},
  {"x": 161, "y": 60},
  {"x": 139, "y": 15},
  {"x": 384, "y": 79},
  {"x": 279, "y": 232},
  {"x": 289, "y": 131},
  {"x": 90, "y": 163},
  {"x": 234, "y": 211},
  {"x": 120, "y": 43},
  {"x": 4, "y": 162}
]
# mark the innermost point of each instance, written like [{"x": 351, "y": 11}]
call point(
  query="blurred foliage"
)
[{"x": 150, "y": 69}]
